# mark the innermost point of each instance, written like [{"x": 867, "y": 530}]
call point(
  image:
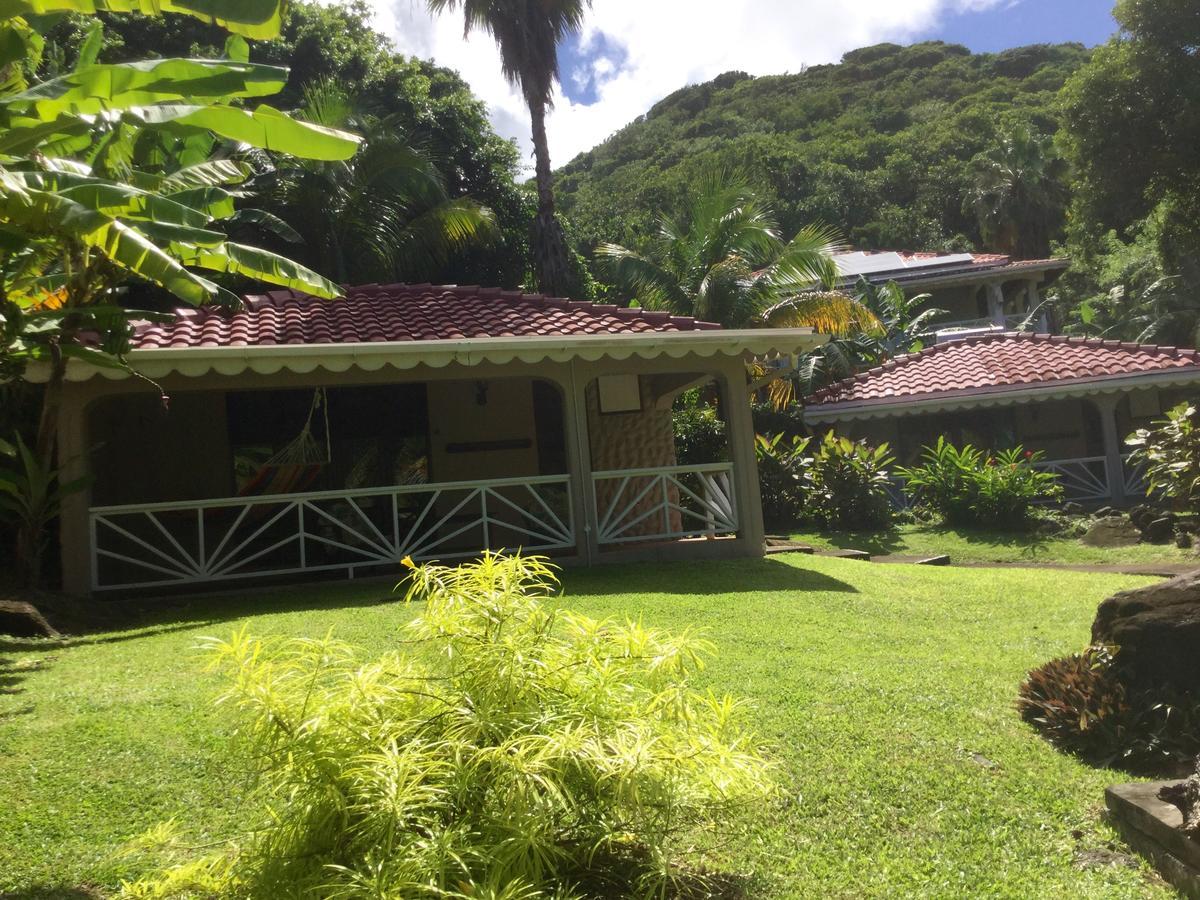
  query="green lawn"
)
[
  {"x": 993, "y": 547},
  {"x": 887, "y": 692}
]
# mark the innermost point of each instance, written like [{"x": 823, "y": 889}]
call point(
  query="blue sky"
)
[
  {"x": 632, "y": 53},
  {"x": 1089, "y": 22}
]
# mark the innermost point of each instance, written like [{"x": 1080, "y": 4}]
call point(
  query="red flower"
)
[{"x": 1029, "y": 454}]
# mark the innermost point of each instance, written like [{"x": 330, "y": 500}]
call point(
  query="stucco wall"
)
[{"x": 456, "y": 417}]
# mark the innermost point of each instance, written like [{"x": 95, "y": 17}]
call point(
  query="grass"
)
[
  {"x": 988, "y": 546},
  {"x": 887, "y": 694}
]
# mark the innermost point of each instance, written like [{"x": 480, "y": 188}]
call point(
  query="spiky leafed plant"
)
[
  {"x": 528, "y": 33},
  {"x": 382, "y": 215},
  {"x": 507, "y": 749},
  {"x": 1019, "y": 193},
  {"x": 720, "y": 258}
]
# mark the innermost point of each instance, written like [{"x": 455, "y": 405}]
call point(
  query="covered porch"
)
[
  {"x": 1073, "y": 400},
  {"x": 322, "y": 468}
]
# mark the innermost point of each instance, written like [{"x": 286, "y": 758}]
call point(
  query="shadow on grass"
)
[
  {"x": 699, "y": 578},
  {"x": 1030, "y": 543},
  {"x": 877, "y": 543},
  {"x": 53, "y": 892}
]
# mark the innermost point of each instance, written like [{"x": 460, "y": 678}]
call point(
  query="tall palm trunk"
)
[{"x": 551, "y": 257}]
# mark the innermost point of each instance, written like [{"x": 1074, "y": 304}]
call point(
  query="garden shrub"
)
[
  {"x": 848, "y": 486},
  {"x": 699, "y": 436},
  {"x": 508, "y": 749},
  {"x": 782, "y": 465},
  {"x": 1169, "y": 455},
  {"x": 970, "y": 488},
  {"x": 1080, "y": 704}
]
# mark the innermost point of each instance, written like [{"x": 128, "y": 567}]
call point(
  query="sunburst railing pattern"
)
[
  {"x": 163, "y": 544},
  {"x": 637, "y": 505}
]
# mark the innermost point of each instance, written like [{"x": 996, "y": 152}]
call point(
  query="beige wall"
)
[{"x": 456, "y": 417}]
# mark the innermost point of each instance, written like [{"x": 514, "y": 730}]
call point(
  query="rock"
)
[
  {"x": 942, "y": 560},
  {"x": 1108, "y": 512},
  {"x": 1157, "y": 631},
  {"x": 1071, "y": 508},
  {"x": 1159, "y": 531},
  {"x": 1183, "y": 540},
  {"x": 1141, "y": 515},
  {"x": 1112, "y": 533},
  {"x": 21, "y": 619}
]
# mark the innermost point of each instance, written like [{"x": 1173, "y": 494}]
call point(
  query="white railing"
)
[
  {"x": 1135, "y": 479},
  {"x": 159, "y": 544},
  {"x": 1083, "y": 480},
  {"x": 666, "y": 503},
  {"x": 1009, "y": 323}
]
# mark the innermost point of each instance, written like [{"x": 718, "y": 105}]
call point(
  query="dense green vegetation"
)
[
  {"x": 428, "y": 108},
  {"x": 990, "y": 545},
  {"x": 879, "y": 147},
  {"x": 889, "y": 703}
]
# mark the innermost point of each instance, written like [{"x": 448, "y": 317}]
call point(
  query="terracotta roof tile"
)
[
  {"x": 998, "y": 362},
  {"x": 400, "y": 312}
]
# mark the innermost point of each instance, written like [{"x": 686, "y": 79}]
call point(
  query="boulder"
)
[
  {"x": 1183, "y": 540},
  {"x": 1108, "y": 512},
  {"x": 1071, "y": 508},
  {"x": 1112, "y": 532},
  {"x": 21, "y": 619},
  {"x": 1157, "y": 632},
  {"x": 1159, "y": 531}
]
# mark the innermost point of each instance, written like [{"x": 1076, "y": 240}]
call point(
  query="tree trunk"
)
[
  {"x": 31, "y": 535},
  {"x": 551, "y": 257}
]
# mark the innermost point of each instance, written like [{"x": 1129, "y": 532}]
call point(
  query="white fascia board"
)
[
  {"x": 748, "y": 343},
  {"x": 1050, "y": 390}
]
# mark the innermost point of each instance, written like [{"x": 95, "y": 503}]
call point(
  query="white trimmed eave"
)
[
  {"x": 986, "y": 397},
  {"x": 749, "y": 344}
]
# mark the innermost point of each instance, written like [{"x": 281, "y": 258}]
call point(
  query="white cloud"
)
[{"x": 667, "y": 44}]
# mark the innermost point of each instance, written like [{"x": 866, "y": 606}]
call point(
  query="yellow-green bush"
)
[{"x": 506, "y": 749}]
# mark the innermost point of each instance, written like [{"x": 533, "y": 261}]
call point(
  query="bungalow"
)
[
  {"x": 1075, "y": 399},
  {"x": 979, "y": 291},
  {"x": 297, "y": 436}
]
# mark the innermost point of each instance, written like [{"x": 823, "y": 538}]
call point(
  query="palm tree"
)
[
  {"x": 528, "y": 33},
  {"x": 383, "y": 215},
  {"x": 721, "y": 259},
  {"x": 1019, "y": 194}
]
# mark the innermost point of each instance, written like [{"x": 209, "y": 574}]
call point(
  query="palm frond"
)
[{"x": 828, "y": 312}]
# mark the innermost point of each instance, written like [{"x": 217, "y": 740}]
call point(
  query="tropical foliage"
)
[
  {"x": 384, "y": 215},
  {"x": 721, "y": 259},
  {"x": 1080, "y": 704},
  {"x": 1019, "y": 193},
  {"x": 507, "y": 749},
  {"x": 848, "y": 485},
  {"x": 1168, "y": 456},
  {"x": 119, "y": 171},
  {"x": 782, "y": 466},
  {"x": 429, "y": 109},
  {"x": 969, "y": 487}
]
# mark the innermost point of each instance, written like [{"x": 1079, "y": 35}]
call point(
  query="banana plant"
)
[
  {"x": 31, "y": 495},
  {"x": 131, "y": 171}
]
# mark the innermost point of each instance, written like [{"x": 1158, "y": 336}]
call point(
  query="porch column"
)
[
  {"x": 995, "y": 302},
  {"x": 1031, "y": 301},
  {"x": 1106, "y": 405},
  {"x": 74, "y": 526},
  {"x": 579, "y": 456},
  {"x": 751, "y": 534}
]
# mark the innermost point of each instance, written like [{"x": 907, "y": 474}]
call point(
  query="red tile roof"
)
[
  {"x": 400, "y": 312},
  {"x": 1000, "y": 362}
]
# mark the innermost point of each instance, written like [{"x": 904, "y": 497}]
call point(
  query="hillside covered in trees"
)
[{"x": 879, "y": 146}]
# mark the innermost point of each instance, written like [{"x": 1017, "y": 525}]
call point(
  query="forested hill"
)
[{"x": 878, "y": 145}]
